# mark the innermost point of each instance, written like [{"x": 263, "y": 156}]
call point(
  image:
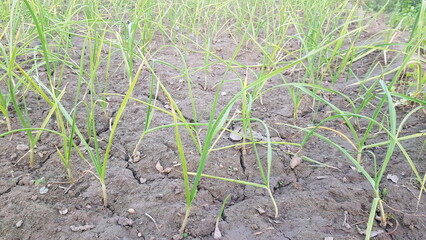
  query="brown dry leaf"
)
[{"x": 296, "y": 161}]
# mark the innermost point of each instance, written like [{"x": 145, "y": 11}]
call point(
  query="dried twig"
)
[{"x": 153, "y": 220}]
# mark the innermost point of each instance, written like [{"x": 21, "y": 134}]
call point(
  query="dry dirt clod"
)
[
  {"x": 393, "y": 178},
  {"x": 122, "y": 221},
  {"x": 296, "y": 161},
  {"x": 177, "y": 237},
  {"x": 260, "y": 210},
  {"x": 81, "y": 228},
  {"x": 22, "y": 147},
  {"x": 161, "y": 169}
]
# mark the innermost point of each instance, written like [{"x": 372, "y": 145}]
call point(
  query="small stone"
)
[
  {"x": 296, "y": 161},
  {"x": 142, "y": 180},
  {"x": 260, "y": 210},
  {"x": 131, "y": 211},
  {"x": 393, "y": 178},
  {"x": 235, "y": 135},
  {"x": 139, "y": 234},
  {"x": 44, "y": 190},
  {"x": 34, "y": 197},
  {"x": 223, "y": 93},
  {"x": 22, "y": 147},
  {"x": 19, "y": 223},
  {"x": 122, "y": 221},
  {"x": 63, "y": 211},
  {"x": 328, "y": 238}
]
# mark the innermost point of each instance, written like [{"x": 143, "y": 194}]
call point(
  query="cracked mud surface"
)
[{"x": 312, "y": 200}]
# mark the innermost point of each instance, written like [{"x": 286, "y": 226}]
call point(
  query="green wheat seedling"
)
[
  {"x": 191, "y": 128},
  {"x": 393, "y": 142},
  {"x": 215, "y": 129},
  {"x": 217, "y": 233},
  {"x": 100, "y": 163},
  {"x": 417, "y": 88}
]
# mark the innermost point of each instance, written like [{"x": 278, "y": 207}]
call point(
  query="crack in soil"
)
[
  {"x": 242, "y": 160},
  {"x": 7, "y": 191},
  {"x": 134, "y": 173},
  {"x": 164, "y": 103}
]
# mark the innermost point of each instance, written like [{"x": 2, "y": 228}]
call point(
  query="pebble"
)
[
  {"x": 43, "y": 190},
  {"x": 63, "y": 211},
  {"x": 34, "y": 197},
  {"x": 393, "y": 178},
  {"x": 295, "y": 161},
  {"x": 260, "y": 210},
  {"x": 142, "y": 180},
  {"x": 19, "y": 223},
  {"x": 131, "y": 211},
  {"x": 139, "y": 234},
  {"x": 122, "y": 221},
  {"x": 234, "y": 136}
]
